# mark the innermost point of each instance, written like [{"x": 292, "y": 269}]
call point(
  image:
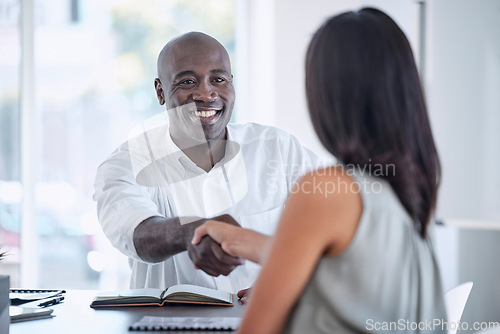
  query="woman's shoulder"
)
[
  {"x": 330, "y": 182},
  {"x": 333, "y": 205}
]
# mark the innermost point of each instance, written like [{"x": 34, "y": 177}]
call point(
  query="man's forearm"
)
[{"x": 158, "y": 238}]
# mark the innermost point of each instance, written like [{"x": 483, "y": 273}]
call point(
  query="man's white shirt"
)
[{"x": 150, "y": 176}]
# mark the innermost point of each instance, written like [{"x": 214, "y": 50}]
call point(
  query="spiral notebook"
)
[
  {"x": 22, "y": 296},
  {"x": 150, "y": 323}
]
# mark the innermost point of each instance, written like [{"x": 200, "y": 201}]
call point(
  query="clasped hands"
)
[
  {"x": 229, "y": 245},
  {"x": 221, "y": 244},
  {"x": 210, "y": 252}
]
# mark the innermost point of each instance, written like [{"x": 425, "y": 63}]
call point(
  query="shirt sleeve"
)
[{"x": 122, "y": 204}]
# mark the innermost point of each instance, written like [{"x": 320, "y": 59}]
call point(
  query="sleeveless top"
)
[{"x": 386, "y": 281}]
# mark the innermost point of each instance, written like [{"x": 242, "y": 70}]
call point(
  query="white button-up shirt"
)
[{"x": 150, "y": 176}]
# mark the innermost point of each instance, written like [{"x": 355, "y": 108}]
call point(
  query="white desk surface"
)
[{"x": 75, "y": 316}]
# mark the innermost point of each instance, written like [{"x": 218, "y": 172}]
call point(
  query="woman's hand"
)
[
  {"x": 244, "y": 294},
  {"x": 235, "y": 241}
]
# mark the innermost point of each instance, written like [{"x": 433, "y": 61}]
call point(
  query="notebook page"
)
[{"x": 216, "y": 294}]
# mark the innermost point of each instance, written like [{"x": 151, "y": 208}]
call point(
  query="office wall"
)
[
  {"x": 296, "y": 22},
  {"x": 279, "y": 33},
  {"x": 463, "y": 85}
]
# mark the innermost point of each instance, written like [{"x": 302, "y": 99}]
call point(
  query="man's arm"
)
[
  {"x": 122, "y": 204},
  {"x": 158, "y": 238}
]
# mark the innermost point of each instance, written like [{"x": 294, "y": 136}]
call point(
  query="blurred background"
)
[
  {"x": 94, "y": 63},
  {"x": 77, "y": 75}
]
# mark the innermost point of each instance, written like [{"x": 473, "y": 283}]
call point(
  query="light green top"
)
[{"x": 386, "y": 281}]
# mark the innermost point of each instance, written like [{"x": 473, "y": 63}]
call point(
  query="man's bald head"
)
[
  {"x": 189, "y": 41},
  {"x": 195, "y": 68}
]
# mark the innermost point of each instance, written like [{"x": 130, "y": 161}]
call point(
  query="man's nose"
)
[{"x": 205, "y": 92}]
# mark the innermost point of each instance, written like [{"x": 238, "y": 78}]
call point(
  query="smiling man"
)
[
  {"x": 154, "y": 190},
  {"x": 196, "y": 68}
]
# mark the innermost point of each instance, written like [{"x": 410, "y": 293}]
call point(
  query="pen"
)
[{"x": 51, "y": 302}]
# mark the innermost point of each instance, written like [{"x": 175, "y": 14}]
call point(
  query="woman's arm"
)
[
  {"x": 320, "y": 218},
  {"x": 235, "y": 241}
]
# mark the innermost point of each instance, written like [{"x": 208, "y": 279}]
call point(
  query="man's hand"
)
[{"x": 208, "y": 255}]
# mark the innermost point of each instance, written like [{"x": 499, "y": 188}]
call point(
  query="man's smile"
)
[{"x": 206, "y": 116}]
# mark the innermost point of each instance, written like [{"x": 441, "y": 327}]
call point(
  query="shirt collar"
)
[{"x": 178, "y": 160}]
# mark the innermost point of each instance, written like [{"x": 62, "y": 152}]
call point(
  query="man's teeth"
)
[{"x": 205, "y": 113}]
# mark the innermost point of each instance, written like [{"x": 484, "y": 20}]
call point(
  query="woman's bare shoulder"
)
[{"x": 331, "y": 198}]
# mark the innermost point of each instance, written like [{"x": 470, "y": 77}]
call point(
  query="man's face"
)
[{"x": 196, "y": 80}]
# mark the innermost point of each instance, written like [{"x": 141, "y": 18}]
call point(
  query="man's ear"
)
[{"x": 159, "y": 92}]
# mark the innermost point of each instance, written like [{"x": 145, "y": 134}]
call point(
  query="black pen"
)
[{"x": 51, "y": 302}]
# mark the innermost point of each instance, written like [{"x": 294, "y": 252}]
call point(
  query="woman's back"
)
[{"x": 387, "y": 279}]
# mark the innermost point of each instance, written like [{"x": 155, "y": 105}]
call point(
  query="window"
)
[
  {"x": 95, "y": 62},
  {"x": 10, "y": 188}
]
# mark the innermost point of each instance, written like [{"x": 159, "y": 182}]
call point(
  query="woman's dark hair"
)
[{"x": 367, "y": 105}]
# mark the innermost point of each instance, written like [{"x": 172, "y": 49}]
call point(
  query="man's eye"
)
[
  {"x": 219, "y": 80},
  {"x": 187, "y": 82}
]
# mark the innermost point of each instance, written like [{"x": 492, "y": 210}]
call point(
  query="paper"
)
[{"x": 18, "y": 314}]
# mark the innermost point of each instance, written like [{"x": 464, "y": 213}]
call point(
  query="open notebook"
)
[{"x": 180, "y": 293}]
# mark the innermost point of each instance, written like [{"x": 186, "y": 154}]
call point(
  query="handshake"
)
[
  {"x": 219, "y": 245},
  {"x": 216, "y": 246},
  {"x": 208, "y": 248}
]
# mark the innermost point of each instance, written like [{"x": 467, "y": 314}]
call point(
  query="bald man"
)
[{"x": 154, "y": 190}]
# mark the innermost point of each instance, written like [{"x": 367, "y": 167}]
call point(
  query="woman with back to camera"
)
[{"x": 352, "y": 252}]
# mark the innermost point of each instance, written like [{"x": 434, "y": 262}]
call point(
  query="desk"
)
[{"x": 75, "y": 316}]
